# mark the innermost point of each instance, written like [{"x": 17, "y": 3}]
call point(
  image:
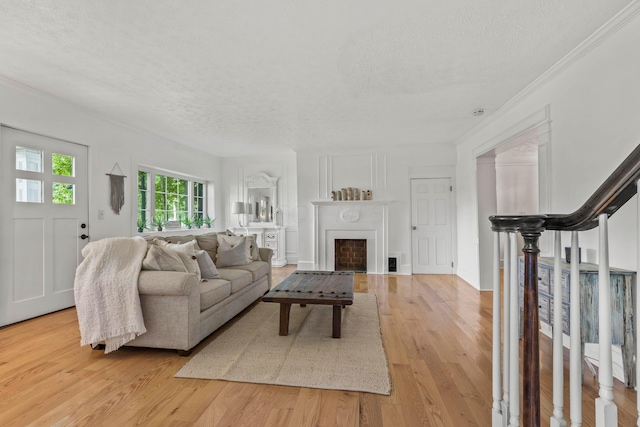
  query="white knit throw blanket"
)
[{"x": 106, "y": 292}]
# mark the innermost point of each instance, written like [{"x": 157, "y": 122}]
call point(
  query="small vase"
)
[
  {"x": 159, "y": 228},
  {"x": 208, "y": 225},
  {"x": 140, "y": 230}
]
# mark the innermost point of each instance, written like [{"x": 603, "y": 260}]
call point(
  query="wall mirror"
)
[{"x": 262, "y": 198}]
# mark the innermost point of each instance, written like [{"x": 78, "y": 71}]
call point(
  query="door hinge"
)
[
  {"x": 451, "y": 264},
  {"x": 451, "y": 188}
]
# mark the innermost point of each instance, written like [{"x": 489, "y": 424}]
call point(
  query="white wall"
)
[
  {"x": 517, "y": 189},
  {"x": 109, "y": 143},
  {"x": 386, "y": 172},
  {"x": 595, "y": 105},
  {"x": 234, "y": 172}
]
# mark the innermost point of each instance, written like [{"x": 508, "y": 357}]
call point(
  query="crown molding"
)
[{"x": 608, "y": 29}]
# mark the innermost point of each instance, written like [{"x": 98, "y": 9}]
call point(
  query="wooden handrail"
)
[
  {"x": 608, "y": 198},
  {"x": 616, "y": 190}
]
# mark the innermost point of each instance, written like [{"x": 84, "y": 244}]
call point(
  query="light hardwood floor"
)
[{"x": 436, "y": 331}]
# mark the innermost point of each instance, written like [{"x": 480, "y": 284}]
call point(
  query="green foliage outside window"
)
[
  {"x": 62, "y": 166},
  {"x": 143, "y": 199},
  {"x": 170, "y": 199}
]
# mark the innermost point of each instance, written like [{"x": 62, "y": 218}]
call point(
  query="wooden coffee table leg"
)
[
  {"x": 285, "y": 309},
  {"x": 337, "y": 321}
]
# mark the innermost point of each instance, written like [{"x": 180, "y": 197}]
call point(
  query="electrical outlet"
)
[{"x": 100, "y": 214}]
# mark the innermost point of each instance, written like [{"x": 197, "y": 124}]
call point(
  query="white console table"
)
[{"x": 268, "y": 236}]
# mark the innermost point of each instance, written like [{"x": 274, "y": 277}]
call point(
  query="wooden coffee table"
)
[{"x": 313, "y": 287}]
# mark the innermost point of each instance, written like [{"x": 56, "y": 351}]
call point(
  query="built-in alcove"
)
[{"x": 350, "y": 255}]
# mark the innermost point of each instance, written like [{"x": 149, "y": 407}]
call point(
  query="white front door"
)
[
  {"x": 431, "y": 228},
  {"x": 44, "y": 212}
]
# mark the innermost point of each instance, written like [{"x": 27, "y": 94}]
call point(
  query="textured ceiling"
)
[{"x": 238, "y": 78}]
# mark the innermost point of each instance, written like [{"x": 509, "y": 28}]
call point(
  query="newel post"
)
[
  {"x": 530, "y": 227},
  {"x": 531, "y": 347}
]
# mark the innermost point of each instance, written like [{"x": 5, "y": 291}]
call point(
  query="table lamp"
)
[{"x": 238, "y": 208}]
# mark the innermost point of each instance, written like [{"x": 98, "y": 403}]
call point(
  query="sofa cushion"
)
[
  {"x": 162, "y": 259},
  {"x": 212, "y": 291},
  {"x": 257, "y": 269},
  {"x": 208, "y": 269},
  {"x": 209, "y": 243},
  {"x": 238, "y": 278}
]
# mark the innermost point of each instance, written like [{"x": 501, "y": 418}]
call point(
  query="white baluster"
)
[
  {"x": 557, "y": 418},
  {"x": 506, "y": 342},
  {"x": 637, "y": 318},
  {"x": 497, "y": 419},
  {"x": 606, "y": 410},
  {"x": 575, "y": 353},
  {"x": 514, "y": 364}
]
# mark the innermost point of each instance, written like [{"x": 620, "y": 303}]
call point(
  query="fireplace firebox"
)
[{"x": 351, "y": 255}]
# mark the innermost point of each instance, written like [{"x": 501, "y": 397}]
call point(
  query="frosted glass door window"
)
[
  {"x": 28, "y": 190},
  {"x": 29, "y": 186},
  {"x": 28, "y": 159}
]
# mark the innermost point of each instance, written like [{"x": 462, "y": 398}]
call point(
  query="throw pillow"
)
[
  {"x": 208, "y": 242},
  {"x": 162, "y": 259},
  {"x": 231, "y": 255},
  {"x": 232, "y": 241},
  {"x": 186, "y": 252},
  {"x": 183, "y": 239},
  {"x": 207, "y": 267},
  {"x": 253, "y": 247}
]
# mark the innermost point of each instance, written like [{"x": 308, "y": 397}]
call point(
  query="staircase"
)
[{"x": 617, "y": 190}]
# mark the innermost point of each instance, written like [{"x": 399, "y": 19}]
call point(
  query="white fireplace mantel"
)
[{"x": 351, "y": 219}]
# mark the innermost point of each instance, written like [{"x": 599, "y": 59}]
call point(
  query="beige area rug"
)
[{"x": 252, "y": 351}]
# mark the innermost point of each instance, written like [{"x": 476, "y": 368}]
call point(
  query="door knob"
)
[
  {"x": 414, "y": 228},
  {"x": 84, "y": 236}
]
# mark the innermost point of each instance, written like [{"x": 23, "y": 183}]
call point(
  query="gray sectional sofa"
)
[{"x": 179, "y": 311}]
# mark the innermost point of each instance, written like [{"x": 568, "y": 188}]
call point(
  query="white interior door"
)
[
  {"x": 431, "y": 228},
  {"x": 44, "y": 208}
]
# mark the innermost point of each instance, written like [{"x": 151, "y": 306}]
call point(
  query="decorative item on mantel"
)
[
  {"x": 350, "y": 194},
  {"x": 117, "y": 189}
]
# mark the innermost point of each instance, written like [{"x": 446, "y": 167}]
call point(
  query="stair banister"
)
[
  {"x": 616, "y": 190},
  {"x": 557, "y": 418},
  {"x": 606, "y": 410},
  {"x": 575, "y": 353},
  {"x": 497, "y": 415},
  {"x": 637, "y": 318},
  {"x": 514, "y": 334}
]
